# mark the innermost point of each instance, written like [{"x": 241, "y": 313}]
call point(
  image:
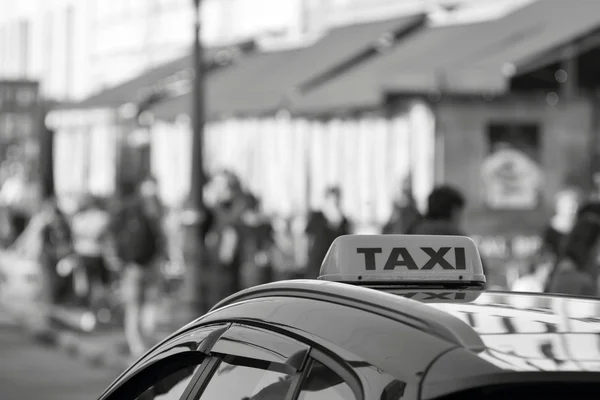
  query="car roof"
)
[
  {"x": 517, "y": 332},
  {"x": 533, "y": 332}
]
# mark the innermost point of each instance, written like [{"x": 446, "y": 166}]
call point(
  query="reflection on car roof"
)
[{"x": 527, "y": 332}]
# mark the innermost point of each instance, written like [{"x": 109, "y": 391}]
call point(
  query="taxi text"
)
[{"x": 401, "y": 257}]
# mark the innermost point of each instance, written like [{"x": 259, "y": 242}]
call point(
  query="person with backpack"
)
[{"x": 137, "y": 242}]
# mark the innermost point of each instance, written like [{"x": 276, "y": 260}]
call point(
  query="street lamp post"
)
[{"x": 196, "y": 283}]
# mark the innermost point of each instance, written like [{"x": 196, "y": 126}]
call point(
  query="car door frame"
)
[
  {"x": 336, "y": 366},
  {"x": 288, "y": 350},
  {"x": 302, "y": 363},
  {"x": 195, "y": 341}
]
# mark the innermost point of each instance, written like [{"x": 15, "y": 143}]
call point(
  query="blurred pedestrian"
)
[
  {"x": 323, "y": 227},
  {"x": 285, "y": 264},
  {"x": 223, "y": 238},
  {"x": 404, "y": 211},
  {"x": 136, "y": 240},
  {"x": 576, "y": 270},
  {"x": 537, "y": 276},
  {"x": 90, "y": 228},
  {"x": 57, "y": 244},
  {"x": 300, "y": 249},
  {"x": 257, "y": 243},
  {"x": 445, "y": 207},
  {"x": 149, "y": 192},
  {"x": 7, "y": 231},
  {"x": 554, "y": 237},
  {"x": 13, "y": 197},
  {"x": 13, "y": 187},
  {"x": 562, "y": 222}
]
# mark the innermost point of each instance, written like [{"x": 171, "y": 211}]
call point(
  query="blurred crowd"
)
[
  {"x": 124, "y": 254},
  {"x": 568, "y": 261}
]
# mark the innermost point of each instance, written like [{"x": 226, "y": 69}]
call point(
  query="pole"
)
[
  {"x": 196, "y": 285},
  {"x": 46, "y": 157}
]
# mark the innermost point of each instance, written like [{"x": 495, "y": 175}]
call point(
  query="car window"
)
[
  {"x": 322, "y": 383},
  {"x": 171, "y": 386},
  {"x": 166, "y": 379},
  {"x": 240, "y": 378}
]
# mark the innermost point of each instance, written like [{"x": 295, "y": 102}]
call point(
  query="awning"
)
[
  {"x": 564, "y": 29},
  {"x": 465, "y": 58},
  {"x": 262, "y": 82},
  {"x": 135, "y": 89}
]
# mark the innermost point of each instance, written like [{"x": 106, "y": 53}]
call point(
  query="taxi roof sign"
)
[{"x": 364, "y": 259}]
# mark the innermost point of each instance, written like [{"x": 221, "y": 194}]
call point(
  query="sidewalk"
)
[
  {"x": 101, "y": 349},
  {"x": 104, "y": 347}
]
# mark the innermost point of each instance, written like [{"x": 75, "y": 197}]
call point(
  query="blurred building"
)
[
  {"x": 76, "y": 47},
  {"x": 282, "y": 65}
]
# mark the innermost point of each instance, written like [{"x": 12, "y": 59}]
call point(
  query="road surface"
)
[{"x": 31, "y": 371}]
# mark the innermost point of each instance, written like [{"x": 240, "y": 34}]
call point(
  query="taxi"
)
[{"x": 391, "y": 317}]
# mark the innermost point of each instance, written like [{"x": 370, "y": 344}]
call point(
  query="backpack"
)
[{"x": 137, "y": 237}]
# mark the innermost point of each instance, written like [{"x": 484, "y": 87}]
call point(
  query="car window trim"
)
[
  {"x": 175, "y": 346},
  {"x": 171, "y": 347},
  {"x": 204, "y": 346},
  {"x": 303, "y": 349},
  {"x": 297, "y": 380},
  {"x": 345, "y": 372},
  {"x": 123, "y": 386},
  {"x": 202, "y": 368},
  {"x": 203, "y": 377}
]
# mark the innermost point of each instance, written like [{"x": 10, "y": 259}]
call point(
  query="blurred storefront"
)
[
  {"x": 522, "y": 152},
  {"x": 288, "y": 157},
  {"x": 514, "y": 123},
  {"x": 526, "y": 114},
  {"x": 107, "y": 137},
  {"x": 85, "y": 152},
  {"x": 505, "y": 109},
  {"x": 289, "y": 161}
]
